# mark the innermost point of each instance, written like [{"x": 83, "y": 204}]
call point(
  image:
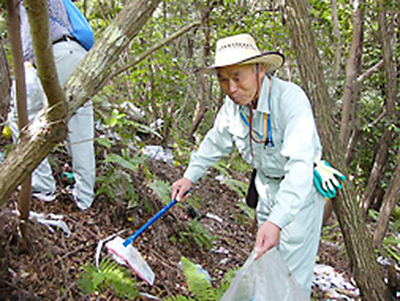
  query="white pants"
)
[
  {"x": 67, "y": 56},
  {"x": 299, "y": 240}
]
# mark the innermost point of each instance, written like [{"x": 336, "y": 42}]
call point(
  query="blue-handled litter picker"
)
[{"x": 125, "y": 252}]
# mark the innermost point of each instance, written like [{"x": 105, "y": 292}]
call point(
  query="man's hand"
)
[
  {"x": 180, "y": 189},
  {"x": 267, "y": 238}
]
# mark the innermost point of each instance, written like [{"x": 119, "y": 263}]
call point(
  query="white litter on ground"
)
[
  {"x": 330, "y": 281},
  {"x": 50, "y": 221},
  {"x": 157, "y": 152}
]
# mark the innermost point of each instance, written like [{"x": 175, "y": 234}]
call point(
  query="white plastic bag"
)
[{"x": 266, "y": 279}]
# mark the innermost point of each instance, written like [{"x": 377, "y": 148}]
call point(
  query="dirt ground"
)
[{"x": 49, "y": 268}]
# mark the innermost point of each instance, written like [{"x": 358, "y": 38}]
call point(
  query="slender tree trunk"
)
[
  {"x": 14, "y": 32},
  {"x": 380, "y": 162},
  {"x": 391, "y": 196},
  {"x": 5, "y": 86},
  {"x": 352, "y": 87},
  {"x": 358, "y": 242},
  {"x": 337, "y": 42},
  {"x": 201, "y": 107},
  {"x": 87, "y": 79},
  {"x": 204, "y": 93},
  {"x": 356, "y": 134},
  {"x": 353, "y": 68}
]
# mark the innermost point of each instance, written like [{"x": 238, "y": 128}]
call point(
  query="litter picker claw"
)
[{"x": 124, "y": 252}]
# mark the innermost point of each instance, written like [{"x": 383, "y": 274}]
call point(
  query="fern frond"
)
[
  {"x": 201, "y": 236},
  {"x": 162, "y": 189},
  {"x": 108, "y": 274},
  {"x": 197, "y": 281}
]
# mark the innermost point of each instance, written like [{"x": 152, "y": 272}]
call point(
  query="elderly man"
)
[{"x": 271, "y": 123}]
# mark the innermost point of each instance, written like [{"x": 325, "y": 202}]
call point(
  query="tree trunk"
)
[
  {"x": 25, "y": 195},
  {"x": 204, "y": 85},
  {"x": 86, "y": 80},
  {"x": 351, "y": 92},
  {"x": 5, "y": 86},
  {"x": 382, "y": 155},
  {"x": 358, "y": 242},
  {"x": 390, "y": 199},
  {"x": 352, "y": 87},
  {"x": 391, "y": 195}
]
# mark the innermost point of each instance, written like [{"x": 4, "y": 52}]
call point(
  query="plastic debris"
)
[
  {"x": 157, "y": 152},
  {"x": 214, "y": 217},
  {"x": 224, "y": 261},
  {"x": 267, "y": 279},
  {"x": 156, "y": 125},
  {"x": 220, "y": 178},
  {"x": 383, "y": 261},
  {"x": 220, "y": 250},
  {"x": 148, "y": 296},
  {"x": 333, "y": 284},
  {"x": 200, "y": 270},
  {"x": 49, "y": 220},
  {"x": 2, "y": 157}
]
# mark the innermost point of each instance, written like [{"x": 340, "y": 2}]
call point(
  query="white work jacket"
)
[{"x": 290, "y": 160}]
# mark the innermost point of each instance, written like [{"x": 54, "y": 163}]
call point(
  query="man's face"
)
[{"x": 239, "y": 82}]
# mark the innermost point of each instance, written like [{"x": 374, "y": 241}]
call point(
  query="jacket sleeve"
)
[
  {"x": 300, "y": 146},
  {"x": 216, "y": 144}
]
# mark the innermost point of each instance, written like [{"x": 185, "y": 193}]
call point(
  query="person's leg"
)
[
  {"x": 43, "y": 184},
  {"x": 80, "y": 128},
  {"x": 81, "y": 148},
  {"x": 299, "y": 241}
]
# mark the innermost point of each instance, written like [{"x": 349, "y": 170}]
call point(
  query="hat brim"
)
[{"x": 271, "y": 60}]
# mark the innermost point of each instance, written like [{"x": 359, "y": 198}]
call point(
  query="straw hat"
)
[{"x": 241, "y": 50}]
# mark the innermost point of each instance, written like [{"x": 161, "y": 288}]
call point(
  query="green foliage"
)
[
  {"x": 197, "y": 280},
  {"x": 250, "y": 212},
  {"x": 162, "y": 189},
  {"x": 126, "y": 162},
  {"x": 196, "y": 232},
  {"x": 390, "y": 243},
  {"x": 115, "y": 179},
  {"x": 200, "y": 285},
  {"x": 329, "y": 233},
  {"x": 237, "y": 186},
  {"x": 109, "y": 275}
]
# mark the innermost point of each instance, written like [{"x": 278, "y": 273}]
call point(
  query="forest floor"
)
[{"x": 50, "y": 267}]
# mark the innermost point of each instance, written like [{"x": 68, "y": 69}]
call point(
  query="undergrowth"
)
[
  {"x": 109, "y": 275},
  {"x": 201, "y": 284}
]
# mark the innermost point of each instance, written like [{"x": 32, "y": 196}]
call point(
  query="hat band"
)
[{"x": 241, "y": 45}]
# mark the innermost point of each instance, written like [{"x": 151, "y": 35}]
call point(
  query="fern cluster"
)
[
  {"x": 109, "y": 275},
  {"x": 200, "y": 284}
]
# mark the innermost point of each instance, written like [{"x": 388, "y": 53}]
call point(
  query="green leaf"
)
[
  {"x": 198, "y": 283},
  {"x": 114, "y": 158}
]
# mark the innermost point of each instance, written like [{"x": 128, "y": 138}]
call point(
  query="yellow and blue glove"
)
[{"x": 326, "y": 179}]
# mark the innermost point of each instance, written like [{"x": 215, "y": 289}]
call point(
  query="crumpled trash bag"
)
[{"x": 266, "y": 279}]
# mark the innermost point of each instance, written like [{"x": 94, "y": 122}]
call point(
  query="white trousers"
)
[
  {"x": 67, "y": 56},
  {"x": 299, "y": 240}
]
